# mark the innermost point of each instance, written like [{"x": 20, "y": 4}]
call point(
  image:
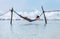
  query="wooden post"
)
[
  {"x": 11, "y": 16},
  {"x": 44, "y": 15}
]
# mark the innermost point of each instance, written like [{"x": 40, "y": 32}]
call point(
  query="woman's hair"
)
[{"x": 37, "y": 16}]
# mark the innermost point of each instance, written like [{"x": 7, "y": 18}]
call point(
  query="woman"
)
[{"x": 30, "y": 20}]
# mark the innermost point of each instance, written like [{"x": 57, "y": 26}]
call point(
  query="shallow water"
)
[{"x": 29, "y": 30}]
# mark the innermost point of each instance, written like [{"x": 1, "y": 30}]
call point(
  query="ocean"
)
[{"x": 22, "y": 29}]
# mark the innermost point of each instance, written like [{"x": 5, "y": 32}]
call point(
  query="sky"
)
[{"x": 29, "y": 5}]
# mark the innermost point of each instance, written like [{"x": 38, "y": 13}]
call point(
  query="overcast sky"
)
[{"x": 29, "y": 5}]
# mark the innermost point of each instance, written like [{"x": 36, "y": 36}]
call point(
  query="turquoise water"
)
[{"x": 22, "y": 29}]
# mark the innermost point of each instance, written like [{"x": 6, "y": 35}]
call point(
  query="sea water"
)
[{"x": 22, "y": 29}]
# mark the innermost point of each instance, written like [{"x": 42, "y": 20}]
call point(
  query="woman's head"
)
[{"x": 37, "y": 17}]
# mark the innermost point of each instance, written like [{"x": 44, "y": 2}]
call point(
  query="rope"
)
[
  {"x": 41, "y": 14},
  {"x": 16, "y": 13},
  {"x": 4, "y": 13}
]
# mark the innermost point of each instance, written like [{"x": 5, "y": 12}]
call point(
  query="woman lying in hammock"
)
[{"x": 30, "y": 20}]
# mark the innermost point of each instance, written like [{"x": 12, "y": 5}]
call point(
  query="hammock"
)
[{"x": 28, "y": 19}]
